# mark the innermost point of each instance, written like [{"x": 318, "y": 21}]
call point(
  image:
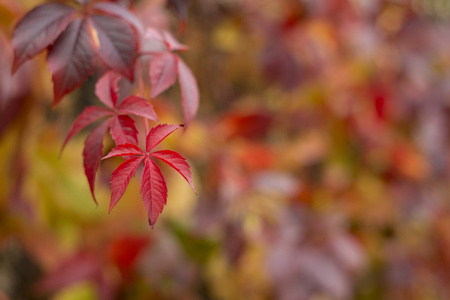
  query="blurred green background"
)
[{"x": 320, "y": 154}]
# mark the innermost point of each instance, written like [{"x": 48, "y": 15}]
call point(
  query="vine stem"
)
[{"x": 142, "y": 90}]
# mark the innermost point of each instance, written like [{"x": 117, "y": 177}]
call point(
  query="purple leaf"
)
[
  {"x": 118, "y": 44},
  {"x": 123, "y": 13},
  {"x": 39, "y": 29},
  {"x": 71, "y": 59}
]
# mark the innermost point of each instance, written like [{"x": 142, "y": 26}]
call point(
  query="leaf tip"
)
[
  {"x": 95, "y": 200},
  {"x": 152, "y": 226},
  {"x": 56, "y": 99}
]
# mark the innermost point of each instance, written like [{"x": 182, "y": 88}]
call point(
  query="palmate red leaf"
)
[
  {"x": 93, "y": 150},
  {"x": 71, "y": 59},
  {"x": 159, "y": 133},
  {"x": 89, "y": 115},
  {"x": 118, "y": 44},
  {"x": 107, "y": 87},
  {"x": 121, "y": 177},
  {"x": 39, "y": 29},
  {"x": 153, "y": 185},
  {"x": 153, "y": 190},
  {"x": 123, "y": 130},
  {"x": 138, "y": 106},
  {"x": 124, "y": 150},
  {"x": 189, "y": 91},
  {"x": 176, "y": 161},
  {"x": 163, "y": 72}
]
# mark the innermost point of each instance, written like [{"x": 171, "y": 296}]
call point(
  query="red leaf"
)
[
  {"x": 89, "y": 115},
  {"x": 118, "y": 44},
  {"x": 125, "y": 251},
  {"x": 93, "y": 150},
  {"x": 163, "y": 72},
  {"x": 158, "y": 133},
  {"x": 176, "y": 161},
  {"x": 139, "y": 107},
  {"x": 153, "y": 190},
  {"x": 71, "y": 59},
  {"x": 121, "y": 177},
  {"x": 39, "y": 29},
  {"x": 121, "y": 12},
  {"x": 124, "y": 150},
  {"x": 107, "y": 87},
  {"x": 189, "y": 91},
  {"x": 123, "y": 130}
]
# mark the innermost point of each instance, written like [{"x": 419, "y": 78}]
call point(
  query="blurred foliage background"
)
[{"x": 320, "y": 154}]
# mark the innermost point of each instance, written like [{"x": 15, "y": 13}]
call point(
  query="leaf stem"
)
[{"x": 142, "y": 90}]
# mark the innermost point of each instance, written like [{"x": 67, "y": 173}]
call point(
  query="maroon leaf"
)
[
  {"x": 74, "y": 39},
  {"x": 106, "y": 89},
  {"x": 71, "y": 59},
  {"x": 118, "y": 44},
  {"x": 89, "y": 115},
  {"x": 189, "y": 91},
  {"x": 153, "y": 190},
  {"x": 158, "y": 133},
  {"x": 163, "y": 72},
  {"x": 39, "y": 29},
  {"x": 93, "y": 150},
  {"x": 177, "y": 162},
  {"x": 123, "y": 130},
  {"x": 138, "y": 106},
  {"x": 119, "y": 11},
  {"x": 121, "y": 178},
  {"x": 124, "y": 150}
]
